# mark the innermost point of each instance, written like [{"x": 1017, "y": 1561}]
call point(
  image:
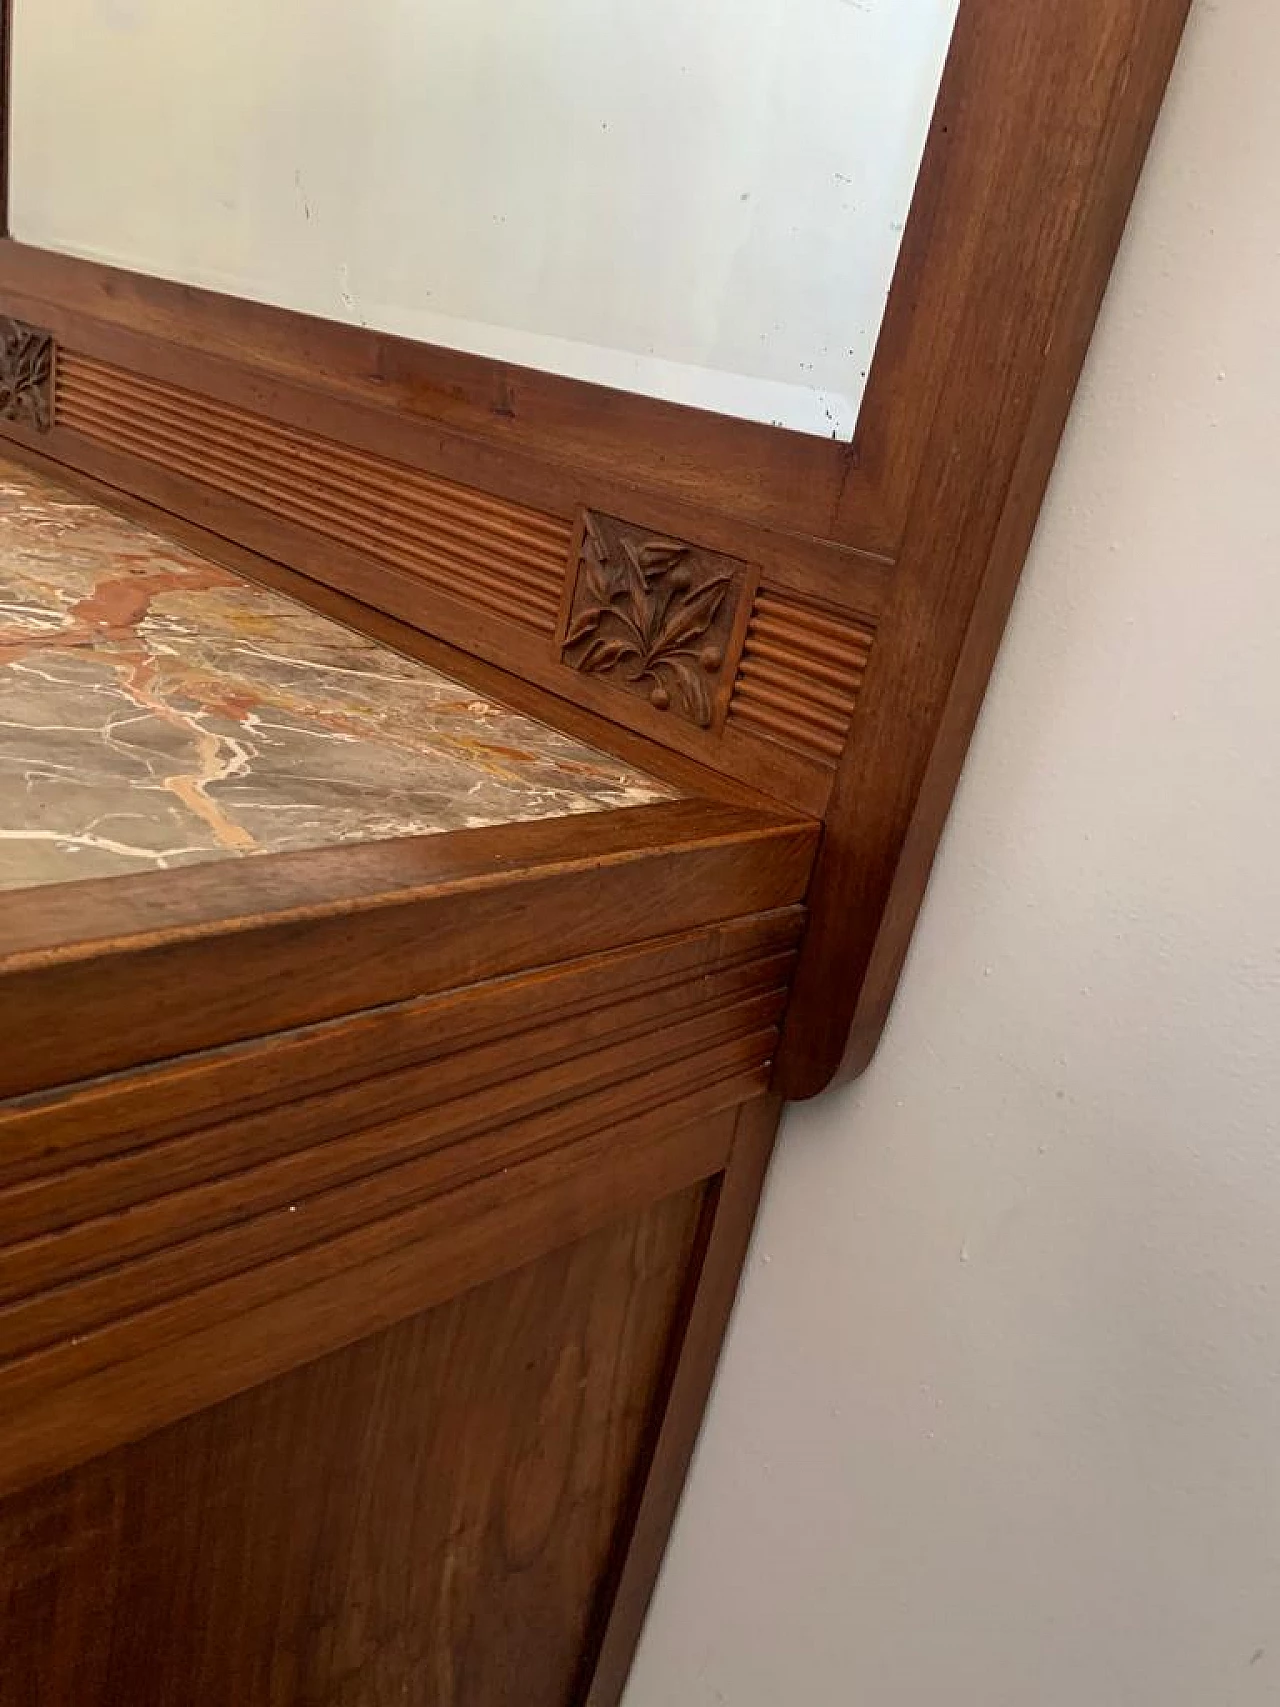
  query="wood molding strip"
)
[
  {"x": 1034, "y": 194},
  {"x": 515, "y": 473},
  {"x": 234, "y": 1334},
  {"x": 62, "y": 1287},
  {"x": 373, "y": 1059},
  {"x": 728, "y": 1219},
  {"x": 444, "y": 1099},
  {"x": 508, "y": 559},
  {"x": 801, "y": 674},
  {"x": 669, "y": 452},
  {"x": 100, "y": 980},
  {"x": 690, "y": 778}
]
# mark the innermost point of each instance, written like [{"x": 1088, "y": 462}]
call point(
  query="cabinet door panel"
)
[{"x": 426, "y": 1518}]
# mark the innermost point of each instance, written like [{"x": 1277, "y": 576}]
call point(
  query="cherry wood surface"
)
[
  {"x": 173, "y": 1234},
  {"x": 422, "y": 1518},
  {"x": 100, "y": 975}
]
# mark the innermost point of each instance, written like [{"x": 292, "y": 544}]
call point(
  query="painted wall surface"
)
[
  {"x": 698, "y": 199},
  {"x": 999, "y": 1420}
]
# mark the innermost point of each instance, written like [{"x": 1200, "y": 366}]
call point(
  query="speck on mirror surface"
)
[{"x": 157, "y": 710}]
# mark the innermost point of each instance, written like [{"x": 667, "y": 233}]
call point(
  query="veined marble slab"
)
[{"x": 157, "y": 710}]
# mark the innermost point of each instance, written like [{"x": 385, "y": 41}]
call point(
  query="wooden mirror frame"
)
[{"x": 870, "y": 581}]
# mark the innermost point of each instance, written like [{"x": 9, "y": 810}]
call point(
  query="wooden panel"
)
[
  {"x": 505, "y": 558},
  {"x": 374, "y": 1063},
  {"x": 656, "y": 617},
  {"x": 344, "y": 1154},
  {"x": 422, "y": 1518},
  {"x": 85, "y": 1394},
  {"x": 148, "y": 1239},
  {"x": 686, "y": 776},
  {"x": 98, "y": 976},
  {"x": 1039, "y": 136},
  {"x": 518, "y": 470},
  {"x": 918, "y": 530},
  {"x": 488, "y": 575},
  {"x": 801, "y": 674},
  {"x": 149, "y": 1212}
]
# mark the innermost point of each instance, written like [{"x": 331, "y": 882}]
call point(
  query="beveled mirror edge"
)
[{"x": 734, "y": 254}]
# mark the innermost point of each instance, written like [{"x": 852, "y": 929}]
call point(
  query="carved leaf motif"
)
[
  {"x": 584, "y": 624},
  {"x": 651, "y": 612},
  {"x": 656, "y": 556},
  {"x": 693, "y": 686},
  {"x": 601, "y": 579},
  {"x": 690, "y": 617},
  {"x": 597, "y": 582},
  {"x": 637, "y": 588},
  {"x": 607, "y": 654},
  {"x": 26, "y": 372}
]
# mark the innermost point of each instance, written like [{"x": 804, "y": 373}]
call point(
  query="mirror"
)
[{"x": 699, "y": 200}]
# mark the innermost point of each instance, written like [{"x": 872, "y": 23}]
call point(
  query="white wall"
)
[
  {"x": 699, "y": 199},
  {"x": 999, "y": 1422}
]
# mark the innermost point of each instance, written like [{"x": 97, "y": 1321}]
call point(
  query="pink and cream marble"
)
[{"x": 157, "y": 710}]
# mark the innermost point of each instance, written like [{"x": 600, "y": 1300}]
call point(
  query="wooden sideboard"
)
[{"x": 370, "y": 1215}]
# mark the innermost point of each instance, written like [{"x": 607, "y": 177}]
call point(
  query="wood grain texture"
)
[
  {"x": 1031, "y": 226},
  {"x": 507, "y": 559},
  {"x": 161, "y": 1223},
  {"x": 656, "y": 616},
  {"x": 420, "y": 1519},
  {"x": 523, "y": 468},
  {"x": 440, "y": 1138},
  {"x": 800, "y": 675},
  {"x": 95, "y": 1222},
  {"x": 118, "y": 1383},
  {"x": 374, "y": 1063},
  {"x": 97, "y": 976},
  {"x": 172, "y": 1235},
  {"x": 1035, "y": 149},
  {"x": 682, "y": 456},
  {"x": 696, "y": 1342}
]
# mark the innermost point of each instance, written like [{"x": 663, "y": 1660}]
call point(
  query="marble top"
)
[{"x": 157, "y": 710}]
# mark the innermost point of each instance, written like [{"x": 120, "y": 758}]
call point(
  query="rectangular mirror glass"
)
[{"x": 699, "y": 200}]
